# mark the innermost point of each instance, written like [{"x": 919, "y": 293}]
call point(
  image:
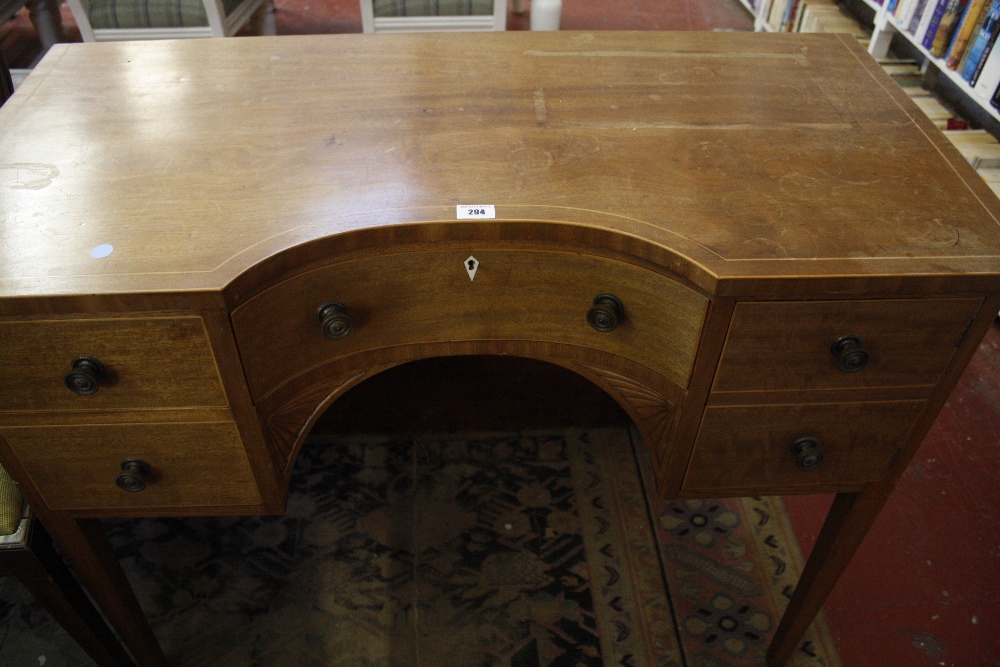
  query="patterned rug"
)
[{"x": 500, "y": 550}]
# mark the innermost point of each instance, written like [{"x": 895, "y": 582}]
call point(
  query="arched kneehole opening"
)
[
  {"x": 470, "y": 394},
  {"x": 470, "y": 509}
]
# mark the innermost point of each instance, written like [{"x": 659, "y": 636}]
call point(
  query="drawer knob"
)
[
  {"x": 606, "y": 313},
  {"x": 333, "y": 320},
  {"x": 133, "y": 476},
  {"x": 85, "y": 376},
  {"x": 807, "y": 454},
  {"x": 851, "y": 357}
]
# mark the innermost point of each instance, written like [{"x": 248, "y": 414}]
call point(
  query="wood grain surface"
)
[
  {"x": 191, "y": 464},
  {"x": 751, "y": 198},
  {"x": 156, "y": 362},
  {"x": 749, "y": 447},
  {"x": 428, "y": 297},
  {"x": 680, "y": 140},
  {"x": 776, "y": 346}
]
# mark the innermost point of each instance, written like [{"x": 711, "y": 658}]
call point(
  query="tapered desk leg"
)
[
  {"x": 42, "y": 571},
  {"x": 850, "y": 517},
  {"x": 85, "y": 548}
]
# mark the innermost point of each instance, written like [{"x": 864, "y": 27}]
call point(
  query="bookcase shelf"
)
[
  {"x": 759, "y": 14},
  {"x": 886, "y": 28}
]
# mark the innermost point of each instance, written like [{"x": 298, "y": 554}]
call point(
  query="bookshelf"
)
[
  {"x": 761, "y": 9},
  {"x": 886, "y": 28},
  {"x": 759, "y": 14},
  {"x": 883, "y": 32}
]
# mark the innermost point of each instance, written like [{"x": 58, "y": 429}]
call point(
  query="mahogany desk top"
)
[
  {"x": 756, "y": 244},
  {"x": 731, "y": 157}
]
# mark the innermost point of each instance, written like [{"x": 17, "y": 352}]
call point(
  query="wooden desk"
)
[{"x": 805, "y": 264}]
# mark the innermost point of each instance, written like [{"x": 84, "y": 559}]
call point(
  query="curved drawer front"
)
[
  {"x": 429, "y": 297},
  {"x": 754, "y": 447},
  {"x": 148, "y": 363},
  {"x": 189, "y": 465},
  {"x": 791, "y": 345}
]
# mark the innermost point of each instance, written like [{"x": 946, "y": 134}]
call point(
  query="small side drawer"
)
[
  {"x": 160, "y": 362},
  {"x": 190, "y": 464},
  {"x": 429, "y": 297},
  {"x": 751, "y": 447},
  {"x": 789, "y": 345}
]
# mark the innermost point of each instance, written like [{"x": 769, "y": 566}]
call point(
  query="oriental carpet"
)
[{"x": 491, "y": 550}]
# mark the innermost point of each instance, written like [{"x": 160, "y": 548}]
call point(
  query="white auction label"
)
[{"x": 467, "y": 211}]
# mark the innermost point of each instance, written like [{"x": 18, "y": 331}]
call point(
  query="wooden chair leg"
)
[
  {"x": 262, "y": 22},
  {"x": 42, "y": 571},
  {"x": 86, "y": 550},
  {"x": 47, "y": 21}
]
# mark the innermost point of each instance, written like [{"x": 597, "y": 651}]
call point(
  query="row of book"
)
[
  {"x": 811, "y": 16},
  {"x": 978, "y": 147},
  {"x": 961, "y": 32}
]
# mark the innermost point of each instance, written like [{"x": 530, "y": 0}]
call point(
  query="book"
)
[
  {"x": 995, "y": 99},
  {"x": 930, "y": 31},
  {"x": 829, "y": 19},
  {"x": 946, "y": 28},
  {"x": 907, "y": 75},
  {"x": 975, "y": 32},
  {"x": 934, "y": 110},
  {"x": 990, "y": 175},
  {"x": 776, "y": 14},
  {"x": 989, "y": 78},
  {"x": 978, "y": 147},
  {"x": 981, "y": 48},
  {"x": 904, "y": 11},
  {"x": 970, "y": 19},
  {"x": 930, "y": 11},
  {"x": 914, "y": 20},
  {"x": 788, "y": 20}
]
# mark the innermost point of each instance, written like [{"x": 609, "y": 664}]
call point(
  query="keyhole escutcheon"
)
[{"x": 471, "y": 266}]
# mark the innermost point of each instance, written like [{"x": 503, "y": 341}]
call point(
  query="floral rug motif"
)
[{"x": 496, "y": 550}]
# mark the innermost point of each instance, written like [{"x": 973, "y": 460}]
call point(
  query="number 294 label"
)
[{"x": 470, "y": 211}]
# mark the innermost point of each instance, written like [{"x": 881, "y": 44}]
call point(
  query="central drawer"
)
[{"x": 435, "y": 297}]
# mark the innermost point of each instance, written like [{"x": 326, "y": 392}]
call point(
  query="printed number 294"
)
[{"x": 466, "y": 211}]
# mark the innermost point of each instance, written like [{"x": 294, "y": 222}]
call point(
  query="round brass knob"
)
[
  {"x": 333, "y": 320},
  {"x": 607, "y": 312},
  {"x": 85, "y": 376},
  {"x": 851, "y": 357},
  {"x": 133, "y": 476},
  {"x": 807, "y": 454}
]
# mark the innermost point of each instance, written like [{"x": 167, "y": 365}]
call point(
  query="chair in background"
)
[
  {"x": 6, "y": 83},
  {"x": 114, "y": 20},
  {"x": 44, "y": 15},
  {"x": 433, "y": 15},
  {"x": 26, "y": 552}
]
